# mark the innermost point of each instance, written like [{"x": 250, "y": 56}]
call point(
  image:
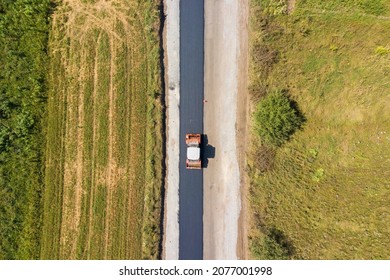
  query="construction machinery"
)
[{"x": 193, "y": 141}]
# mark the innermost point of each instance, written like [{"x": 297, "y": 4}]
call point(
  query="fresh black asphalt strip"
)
[{"x": 191, "y": 121}]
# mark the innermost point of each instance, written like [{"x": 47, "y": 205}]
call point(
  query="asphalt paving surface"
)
[{"x": 191, "y": 121}]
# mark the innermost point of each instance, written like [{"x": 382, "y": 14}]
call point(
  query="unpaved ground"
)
[
  {"x": 242, "y": 119},
  {"x": 290, "y": 6},
  {"x": 172, "y": 38},
  {"x": 222, "y": 198}
]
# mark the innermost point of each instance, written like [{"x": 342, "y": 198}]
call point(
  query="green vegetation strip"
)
[{"x": 23, "y": 63}]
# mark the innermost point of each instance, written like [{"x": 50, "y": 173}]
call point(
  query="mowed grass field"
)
[
  {"x": 104, "y": 132},
  {"x": 326, "y": 194}
]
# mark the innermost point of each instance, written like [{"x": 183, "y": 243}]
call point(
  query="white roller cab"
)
[{"x": 193, "y": 153}]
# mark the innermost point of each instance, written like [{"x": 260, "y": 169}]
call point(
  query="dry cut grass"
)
[{"x": 103, "y": 172}]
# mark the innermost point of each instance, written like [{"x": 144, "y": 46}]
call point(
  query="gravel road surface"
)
[
  {"x": 222, "y": 177},
  {"x": 172, "y": 47}
]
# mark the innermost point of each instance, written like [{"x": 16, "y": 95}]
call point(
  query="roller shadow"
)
[{"x": 208, "y": 151}]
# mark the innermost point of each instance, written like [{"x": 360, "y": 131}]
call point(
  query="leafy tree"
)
[{"x": 276, "y": 118}]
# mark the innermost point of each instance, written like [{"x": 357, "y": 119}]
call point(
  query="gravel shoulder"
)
[
  {"x": 242, "y": 125},
  {"x": 172, "y": 62},
  {"x": 222, "y": 183}
]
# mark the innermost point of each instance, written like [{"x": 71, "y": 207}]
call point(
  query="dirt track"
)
[{"x": 224, "y": 116}]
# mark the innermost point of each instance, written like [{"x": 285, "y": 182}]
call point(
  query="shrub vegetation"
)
[
  {"x": 23, "y": 39},
  {"x": 276, "y": 119}
]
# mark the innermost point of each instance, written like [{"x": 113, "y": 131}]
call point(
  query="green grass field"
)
[
  {"x": 325, "y": 194},
  {"x": 104, "y": 139}
]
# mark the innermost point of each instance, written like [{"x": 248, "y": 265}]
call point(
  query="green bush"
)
[
  {"x": 273, "y": 244},
  {"x": 276, "y": 119}
]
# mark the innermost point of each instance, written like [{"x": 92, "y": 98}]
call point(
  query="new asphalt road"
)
[{"x": 191, "y": 121}]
